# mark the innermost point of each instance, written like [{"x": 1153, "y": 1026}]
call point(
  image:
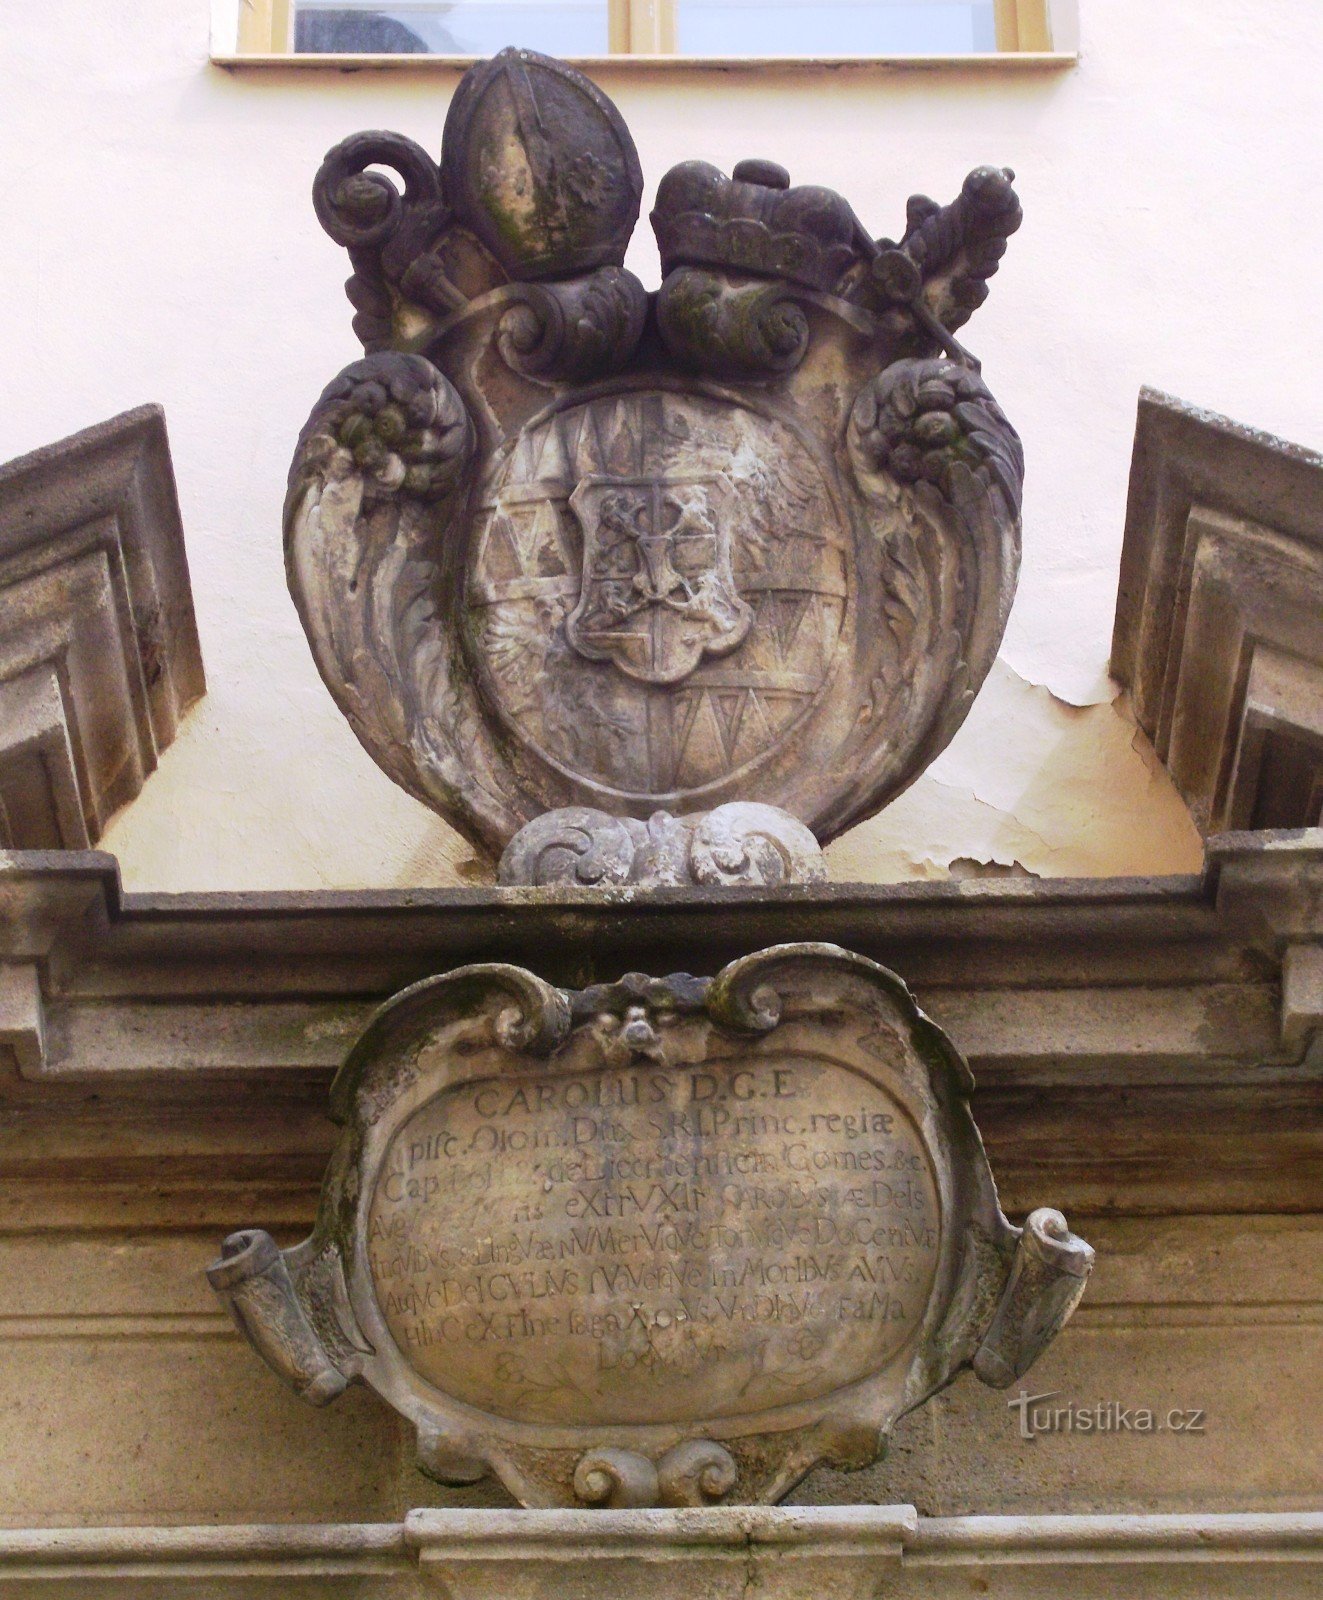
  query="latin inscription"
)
[{"x": 654, "y": 1244}]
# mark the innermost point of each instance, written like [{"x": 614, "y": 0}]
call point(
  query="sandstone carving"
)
[
  {"x": 561, "y": 543},
  {"x": 739, "y": 843},
  {"x": 658, "y": 1242}
]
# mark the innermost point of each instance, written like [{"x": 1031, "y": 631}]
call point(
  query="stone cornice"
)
[
  {"x": 99, "y": 654},
  {"x": 1148, "y": 1041},
  {"x": 1219, "y": 626},
  {"x": 786, "y": 1551}
]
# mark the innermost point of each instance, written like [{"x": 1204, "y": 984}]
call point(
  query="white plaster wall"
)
[{"x": 158, "y": 243}]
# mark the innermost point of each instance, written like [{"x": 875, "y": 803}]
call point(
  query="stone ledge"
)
[
  {"x": 99, "y": 655},
  {"x": 1140, "y": 1046},
  {"x": 785, "y": 1553}
]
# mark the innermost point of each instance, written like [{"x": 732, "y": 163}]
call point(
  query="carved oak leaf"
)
[{"x": 379, "y": 473}]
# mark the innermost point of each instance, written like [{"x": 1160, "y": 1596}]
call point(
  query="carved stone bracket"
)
[
  {"x": 739, "y": 843},
  {"x": 1219, "y": 619},
  {"x": 660, "y": 1242},
  {"x": 99, "y": 654}
]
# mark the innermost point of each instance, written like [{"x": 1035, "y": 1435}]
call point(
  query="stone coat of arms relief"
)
[{"x": 662, "y": 587}]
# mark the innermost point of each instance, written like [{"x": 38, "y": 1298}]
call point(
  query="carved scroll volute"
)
[
  {"x": 253, "y": 1279},
  {"x": 567, "y": 331},
  {"x": 1047, "y": 1281},
  {"x": 696, "y": 1473},
  {"x": 492, "y": 1005},
  {"x": 742, "y": 257},
  {"x": 735, "y": 844}
]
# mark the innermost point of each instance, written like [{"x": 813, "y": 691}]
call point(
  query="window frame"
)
[{"x": 642, "y": 33}]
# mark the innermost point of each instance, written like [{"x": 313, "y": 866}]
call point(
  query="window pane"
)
[
  {"x": 459, "y": 28},
  {"x": 834, "y": 27}
]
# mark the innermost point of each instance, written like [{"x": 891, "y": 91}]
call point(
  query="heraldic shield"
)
[
  {"x": 559, "y": 542},
  {"x": 656, "y": 589}
]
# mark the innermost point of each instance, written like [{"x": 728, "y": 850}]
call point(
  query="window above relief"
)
[{"x": 677, "y": 32}]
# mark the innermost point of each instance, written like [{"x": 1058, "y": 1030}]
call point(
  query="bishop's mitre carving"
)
[{"x": 746, "y": 542}]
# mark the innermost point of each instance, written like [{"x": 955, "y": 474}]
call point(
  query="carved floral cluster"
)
[
  {"x": 921, "y": 420},
  {"x": 397, "y": 421}
]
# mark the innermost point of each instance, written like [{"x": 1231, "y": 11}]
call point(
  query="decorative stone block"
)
[
  {"x": 1219, "y": 620},
  {"x": 850, "y": 1552},
  {"x": 739, "y": 843},
  {"x": 99, "y": 654},
  {"x": 722, "y": 1553}
]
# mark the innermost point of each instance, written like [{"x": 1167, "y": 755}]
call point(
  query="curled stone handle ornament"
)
[
  {"x": 749, "y": 843},
  {"x": 732, "y": 329},
  {"x": 616, "y": 1479},
  {"x": 361, "y": 208},
  {"x": 378, "y": 224},
  {"x": 581, "y": 329},
  {"x": 698, "y": 1472},
  {"x": 1046, "y": 1282},
  {"x": 575, "y": 845},
  {"x": 253, "y": 1280}
]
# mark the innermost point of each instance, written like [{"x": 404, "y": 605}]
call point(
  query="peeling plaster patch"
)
[
  {"x": 968, "y": 867},
  {"x": 1062, "y": 790},
  {"x": 1060, "y": 629},
  {"x": 1077, "y": 684},
  {"x": 1031, "y": 784}
]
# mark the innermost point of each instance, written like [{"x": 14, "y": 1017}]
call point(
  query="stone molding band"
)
[{"x": 1227, "y": 1555}]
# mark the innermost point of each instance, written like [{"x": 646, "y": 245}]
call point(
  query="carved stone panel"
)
[
  {"x": 561, "y": 543},
  {"x": 666, "y": 1241}
]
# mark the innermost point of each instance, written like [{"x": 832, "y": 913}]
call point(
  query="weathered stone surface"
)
[
  {"x": 559, "y": 543},
  {"x": 862, "y": 1551},
  {"x": 664, "y": 1241},
  {"x": 1219, "y": 619},
  {"x": 1186, "y": 1311},
  {"x": 99, "y": 653}
]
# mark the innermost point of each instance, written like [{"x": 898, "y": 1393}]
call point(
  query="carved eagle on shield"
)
[{"x": 561, "y": 542}]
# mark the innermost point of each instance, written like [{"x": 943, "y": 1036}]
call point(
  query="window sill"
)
[{"x": 1003, "y": 61}]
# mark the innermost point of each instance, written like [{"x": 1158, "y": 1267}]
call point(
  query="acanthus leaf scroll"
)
[{"x": 558, "y": 542}]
